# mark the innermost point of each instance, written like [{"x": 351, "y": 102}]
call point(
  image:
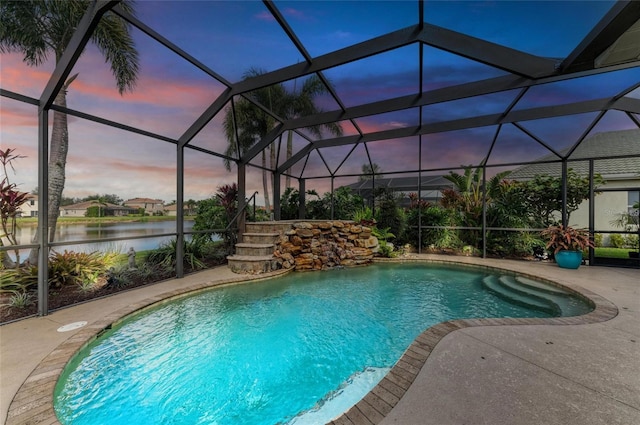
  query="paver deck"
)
[{"x": 580, "y": 370}]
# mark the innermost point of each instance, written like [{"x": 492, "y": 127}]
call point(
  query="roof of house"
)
[
  {"x": 89, "y": 204},
  {"x": 600, "y": 145},
  {"x": 145, "y": 200},
  {"x": 403, "y": 183}
]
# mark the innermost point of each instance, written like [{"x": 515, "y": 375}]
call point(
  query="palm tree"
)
[
  {"x": 40, "y": 28},
  {"x": 467, "y": 198},
  {"x": 369, "y": 171},
  {"x": 303, "y": 104},
  {"x": 252, "y": 123}
]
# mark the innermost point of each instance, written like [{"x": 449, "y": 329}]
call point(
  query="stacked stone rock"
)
[{"x": 320, "y": 245}]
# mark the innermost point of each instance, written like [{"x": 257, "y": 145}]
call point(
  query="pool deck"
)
[{"x": 582, "y": 370}]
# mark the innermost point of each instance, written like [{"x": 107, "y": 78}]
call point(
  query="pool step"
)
[
  {"x": 254, "y": 253},
  {"x": 254, "y": 249},
  {"x": 260, "y": 238},
  {"x": 504, "y": 289},
  {"x": 540, "y": 286},
  {"x": 566, "y": 300},
  {"x": 251, "y": 264}
]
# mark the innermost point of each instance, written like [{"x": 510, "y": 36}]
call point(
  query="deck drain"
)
[{"x": 71, "y": 326}]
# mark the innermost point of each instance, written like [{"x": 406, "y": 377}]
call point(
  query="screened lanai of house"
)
[{"x": 417, "y": 89}]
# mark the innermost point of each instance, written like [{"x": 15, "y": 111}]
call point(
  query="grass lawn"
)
[{"x": 608, "y": 252}]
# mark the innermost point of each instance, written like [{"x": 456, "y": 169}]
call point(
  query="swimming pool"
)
[{"x": 300, "y": 349}]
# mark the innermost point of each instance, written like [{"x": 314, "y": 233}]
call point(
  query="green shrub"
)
[
  {"x": 364, "y": 216},
  {"x": 504, "y": 243},
  {"x": 165, "y": 256},
  {"x": 20, "y": 299},
  {"x": 80, "y": 268},
  {"x": 431, "y": 216},
  {"x": 124, "y": 276},
  {"x": 389, "y": 215},
  {"x": 631, "y": 241},
  {"x": 616, "y": 240},
  {"x": 597, "y": 239},
  {"x": 20, "y": 279},
  {"x": 386, "y": 250}
]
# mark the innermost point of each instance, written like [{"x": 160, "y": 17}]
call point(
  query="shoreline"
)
[{"x": 33, "y": 221}]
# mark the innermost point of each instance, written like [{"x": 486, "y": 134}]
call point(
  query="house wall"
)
[
  {"x": 73, "y": 213},
  {"x": 29, "y": 208},
  {"x": 607, "y": 207},
  {"x": 148, "y": 207}
]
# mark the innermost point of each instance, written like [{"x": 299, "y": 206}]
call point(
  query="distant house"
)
[
  {"x": 30, "y": 207},
  {"x": 622, "y": 175},
  {"x": 108, "y": 210},
  {"x": 172, "y": 210},
  {"x": 150, "y": 206}
]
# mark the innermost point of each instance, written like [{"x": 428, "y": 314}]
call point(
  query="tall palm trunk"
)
[
  {"x": 58, "y": 150},
  {"x": 265, "y": 182},
  {"x": 287, "y": 183},
  {"x": 57, "y": 161}
]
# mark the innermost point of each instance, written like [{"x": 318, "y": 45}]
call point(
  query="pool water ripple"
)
[{"x": 285, "y": 350}]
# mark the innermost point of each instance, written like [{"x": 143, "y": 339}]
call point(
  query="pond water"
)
[{"x": 77, "y": 232}]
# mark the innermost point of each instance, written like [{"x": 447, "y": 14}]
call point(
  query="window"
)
[{"x": 633, "y": 199}]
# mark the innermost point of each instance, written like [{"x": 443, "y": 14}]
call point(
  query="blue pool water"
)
[{"x": 298, "y": 349}]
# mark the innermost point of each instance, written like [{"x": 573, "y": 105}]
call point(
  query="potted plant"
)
[{"x": 567, "y": 244}]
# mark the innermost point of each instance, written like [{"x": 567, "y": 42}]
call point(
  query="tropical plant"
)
[
  {"x": 228, "y": 196},
  {"x": 466, "y": 199},
  {"x": 544, "y": 195},
  {"x": 289, "y": 204},
  {"x": 246, "y": 123},
  {"x": 215, "y": 214},
  {"x": 124, "y": 276},
  {"x": 210, "y": 215},
  {"x": 42, "y": 28},
  {"x": 630, "y": 222},
  {"x": 20, "y": 299},
  {"x": 432, "y": 216},
  {"x": 345, "y": 203},
  {"x": 10, "y": 202},
  {"x": 389, "y": 214},
  {"x": 508, "y": 209},
  {"x": 566, "y": 238},
  {"x": 383, "y": 235},
  {"x": 79, "y": 268},
  {"x": 165, "y": 255},
  {"x": 364, "y": 216}
]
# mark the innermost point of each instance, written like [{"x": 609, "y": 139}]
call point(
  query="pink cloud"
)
[
  {"x": 265, "y": 16},
  {"x": 17, "y": 76},
  {"x": 13, "y": 117},
  {"x": 295, "y": 13}
]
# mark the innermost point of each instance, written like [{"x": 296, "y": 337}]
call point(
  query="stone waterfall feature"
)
[{"x": 302, "y": 245}]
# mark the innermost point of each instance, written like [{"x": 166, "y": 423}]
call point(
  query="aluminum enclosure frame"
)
[{"x": 524, "y": 71}]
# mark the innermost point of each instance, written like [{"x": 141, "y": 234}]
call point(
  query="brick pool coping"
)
[{"x": 33, "y": 403}]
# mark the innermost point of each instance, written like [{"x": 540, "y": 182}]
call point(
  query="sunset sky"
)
[{"x": 232, "y": 37}]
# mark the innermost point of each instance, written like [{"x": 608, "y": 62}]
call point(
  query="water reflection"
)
[{"x": 89, "y": 231}]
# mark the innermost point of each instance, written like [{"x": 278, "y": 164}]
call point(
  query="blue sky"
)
[{"x": 231, "y": 37}]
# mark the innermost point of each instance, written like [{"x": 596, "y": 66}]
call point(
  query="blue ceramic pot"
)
[{"x": 569, "y": 259}]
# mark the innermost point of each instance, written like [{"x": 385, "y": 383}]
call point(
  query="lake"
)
[{"x": 77, "y": 232}]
